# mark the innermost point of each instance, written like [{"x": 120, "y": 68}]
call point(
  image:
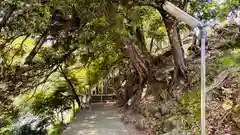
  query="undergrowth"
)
[{"x": 190, "y": 111}]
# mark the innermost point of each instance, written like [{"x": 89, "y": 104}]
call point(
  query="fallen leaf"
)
[
  {"x": 227, "y": 105},
  {"x": 220, "y": 78},
  {"x": 227, "y": 90}
]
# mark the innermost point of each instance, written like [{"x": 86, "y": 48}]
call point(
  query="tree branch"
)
[
  {"x": 151, "y": 44},
  {"x": 140, "y": 3},
  {"x": 21, "y": 46},
  {"x": 71, "y": 86},
  {"x": 7, "y": 16},
  {"x": 184, "y": 4},
  {"x": 37, "y": 46},
  {"x": 154, "y": 5},
  {"x": 43, "y": 82},
  {"x": 11, "y": 39}
]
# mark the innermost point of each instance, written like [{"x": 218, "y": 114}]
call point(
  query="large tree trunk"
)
[
  {"x": 72, "y": 87},
  {"x": 141, "y": 44},
  {"x": 141, "y": 38},
  {"x": 176, "y": 45},
  {"x": 140, "y": 63}
]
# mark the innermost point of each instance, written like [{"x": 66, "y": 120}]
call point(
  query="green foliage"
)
[
  {"x": 6, "y": 128},
  {"x": 26, "y": 129},
  {"x": 226, "y": 61},
  {"x": 100, "y": 68},
  {"x": 71, "y": 116},
  {"x": 56, "y": 129},
  {"x": 191, "y": 113},
  {"x": 213, "y": 10},
  {"x": 55, "y": 102},
  {"x": 88, "y": 49},
  {"x": 231, "y": 59}
]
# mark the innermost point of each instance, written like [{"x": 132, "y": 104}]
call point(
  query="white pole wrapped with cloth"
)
[
  {"x": 181, "y": 15},
  {"x": 194, "y": 23}
]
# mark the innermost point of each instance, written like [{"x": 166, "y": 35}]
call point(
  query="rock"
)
[
  {"x": 176, "y": 122},
  {"x": 221, "y": 77},
  {"x": 227, "y": 105},
  {"x": 131, "y": 100},
  {"x": 194, "y": 79},
  {"x": 124, "y": 119},
  {"x": 146, "y": 113},
  {"x": 237, "y": 69},
  {"x": 119, "y": 103},
  {"x": 218, "y": 80},
  {"x": 151, "y": 108},
  {"x": 176, "y": 132},
  {"x": 236, "y": 118},
  {"x": 181, "y": 82},
  {"x": 209, "y": 96},
  {"x": 171, "y": 123},
  {"x": 140, "y": 124},
  {"x": 159, "y": 124},
  {"x": 158, "y": 115},
  {"x": 167, "y": 126},
  {"x": 164, "y": 109},
  {"x": 164, "y": 94}
]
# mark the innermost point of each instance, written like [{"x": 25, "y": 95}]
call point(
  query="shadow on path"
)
[{"x": 102, "y": 119}]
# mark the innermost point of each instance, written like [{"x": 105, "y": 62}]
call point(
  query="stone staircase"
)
[{"x": 103, "y": 98}]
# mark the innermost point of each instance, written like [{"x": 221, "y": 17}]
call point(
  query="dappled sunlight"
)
[
  {"x": 91, "y": 117},
  {"x": 80, "y": 66},
  {"x": 87, "y": 132},
  {"x": 110, "y": 118},
  {"x": 102, "y": 120},
  {"x": 87, "y": 125}
]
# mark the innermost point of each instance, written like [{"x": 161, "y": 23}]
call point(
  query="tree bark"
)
[
  {"x": 142, "y": 43},
  {"x": 141, "y": 70},
  {"x": 37, "y": 47},
  {"x": 151, "y": 44},
  {"x": 72, "y": 87},
  {"x": 141, "y": 38},
  {"x": 176, "y": 45},
  {"x": 7, "y": 16},
  {"x": 139, "y": 64},
  {"x": 170, "y": 23}
]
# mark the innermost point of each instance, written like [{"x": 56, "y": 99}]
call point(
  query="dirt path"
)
[{"x": 103, "y": 119}]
